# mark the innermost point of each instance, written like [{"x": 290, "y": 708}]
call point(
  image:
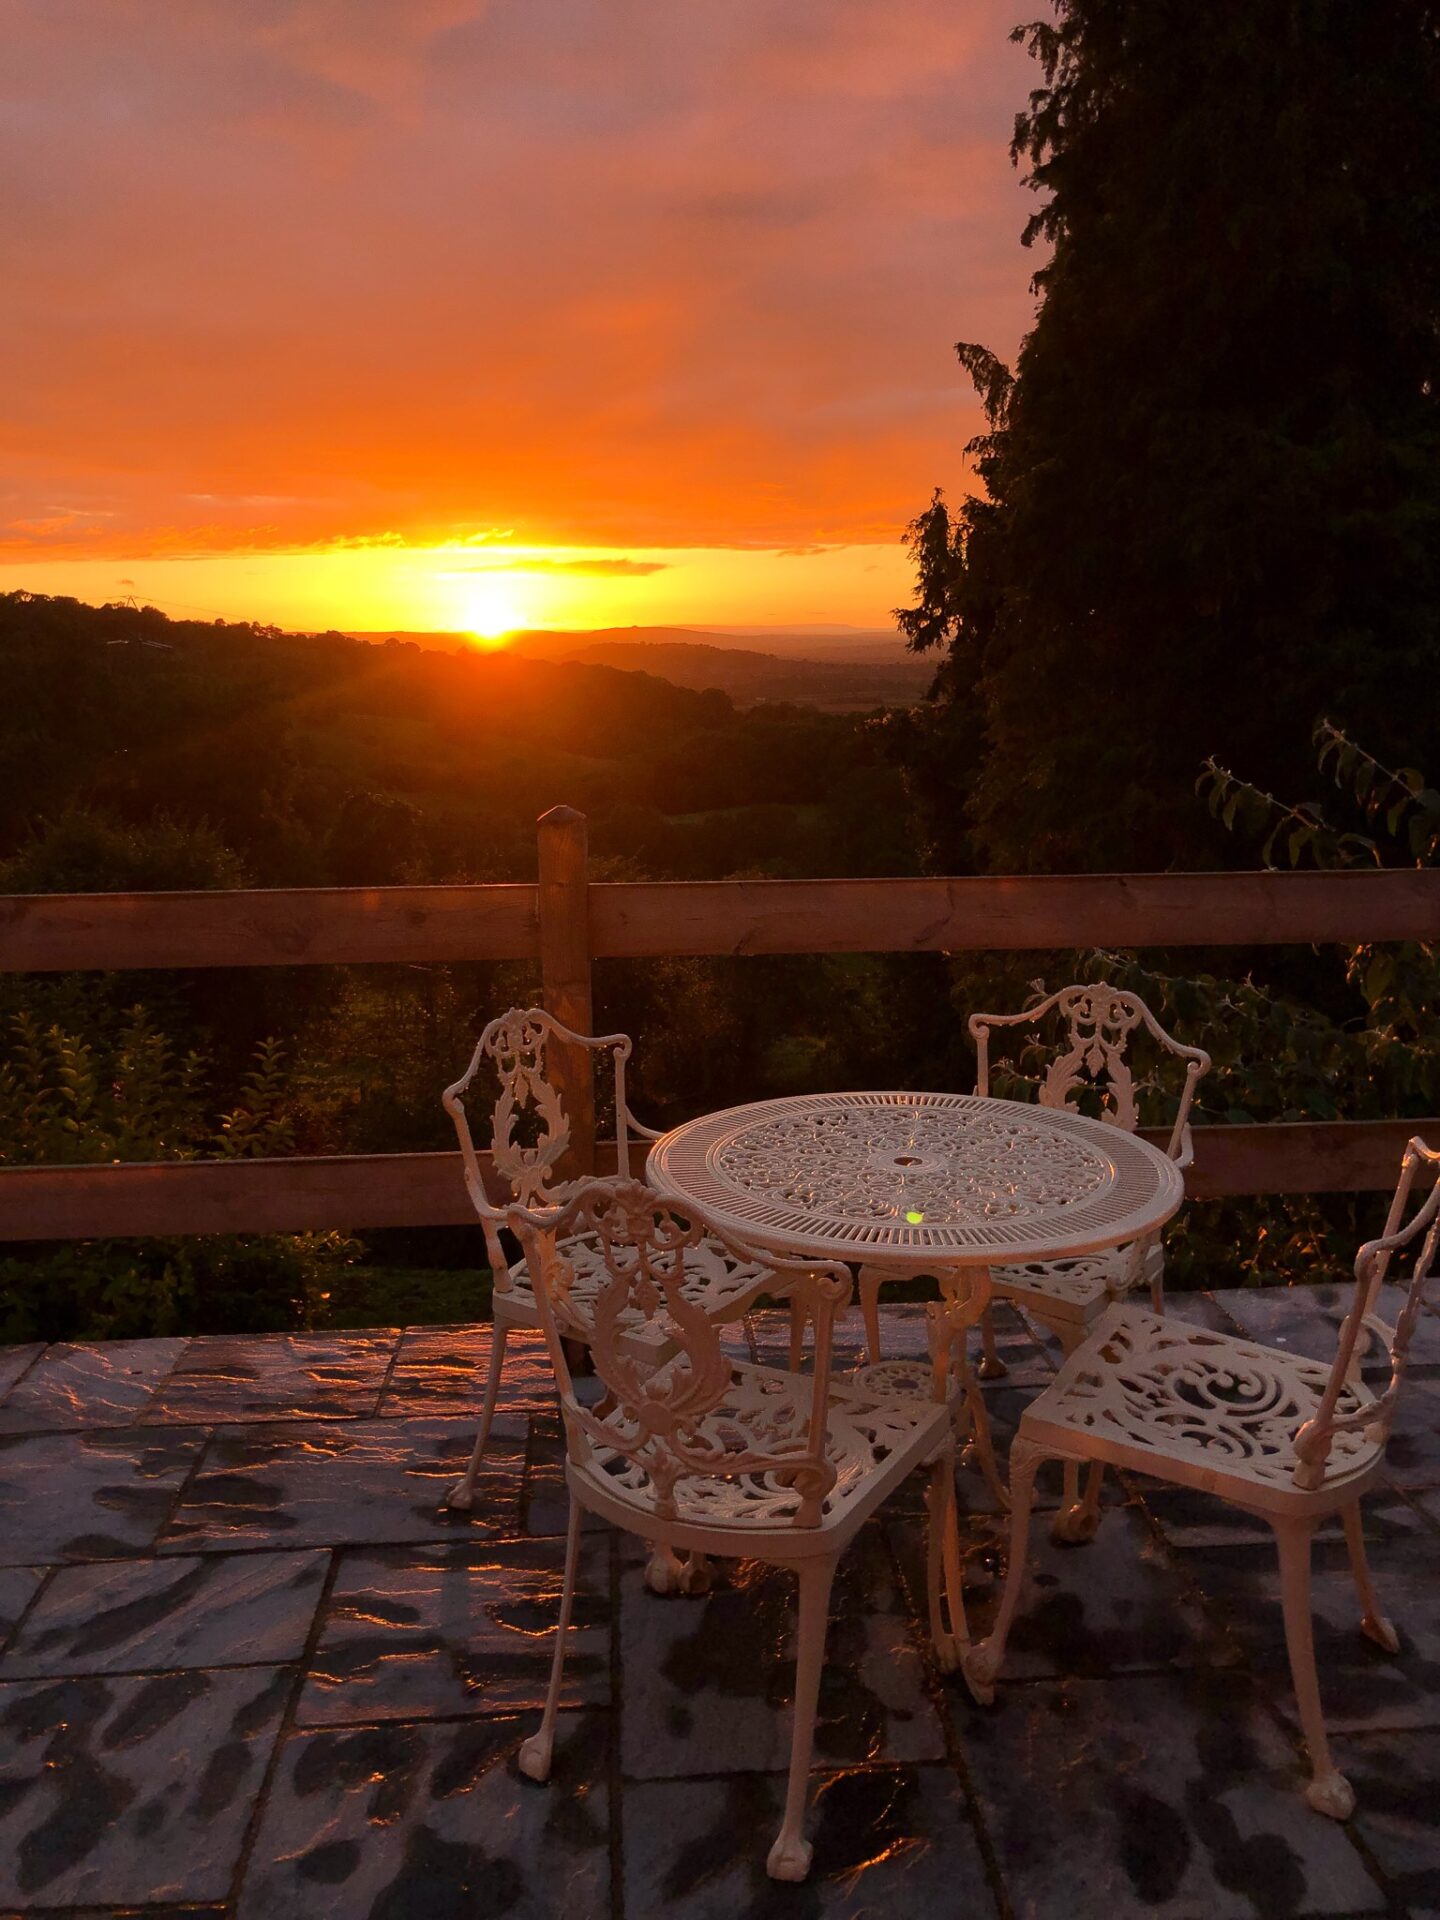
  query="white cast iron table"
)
[{"x": 946, "y": 1184}]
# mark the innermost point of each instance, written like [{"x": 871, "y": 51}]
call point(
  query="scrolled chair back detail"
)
[
  {"x": 1099, "y": 1022},
  {"x": 672, "y": 1412},
  {"x": 1363, "y": 1326},
  {"x": 513, "y": 1051}
]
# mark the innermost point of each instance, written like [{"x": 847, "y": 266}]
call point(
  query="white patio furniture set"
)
[{"x": 813, "y": 1199}]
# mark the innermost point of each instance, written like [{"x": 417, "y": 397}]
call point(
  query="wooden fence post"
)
[{"x": 564, "y": 903}]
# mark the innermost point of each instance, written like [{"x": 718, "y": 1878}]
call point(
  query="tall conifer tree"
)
[{"x": 1213, "y": 478}]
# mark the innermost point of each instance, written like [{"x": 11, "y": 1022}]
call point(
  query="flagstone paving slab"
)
[
  {"x": 1122, "y": 1604},
  {"x": 889, "y": 1841},
  {"x": 16, "y": 1362},
  {"x": 709, "y": 1680},
  {"x": 1394, "y": 1776},
  {"x": 1362, "y": 1686},
  {"x": 361, "y": 1483},
  {"x": 440, "y": 1374},
  {"x": 132, "y": 1789},
  {"x": 103, "y": 1385},
  {"x": 18, "y": 1587},
  {"x": 435, "y": 1822},
  {"x": 1142, "y": 1758},
  {"x": 1157, "y": 1795},
  {"x": 131, "y": 1615},
  {"x": 223, "y": 1378},
  {"x": 89, "y": 1496},
  {"x": 425, "y": 1632}
]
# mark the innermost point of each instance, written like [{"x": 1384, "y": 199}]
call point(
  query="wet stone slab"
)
[
  {"x": 1119, "y": 1605},
  {"x": 1306, "y": 1319},
  {"x": 1398, "y": 1810},
  {"x": 360, "y": 1483},
  {"x": 424, "y": 1632},
  {"x": 545, "y": 1508},
  {"x": 435, "y": 1822},
  {"x": 15, "y": 1362},
  {"x": 89, "y": 1386},
  {"x": 227, "y": 1377},
  {"x": 709, "y": 1680},
  {"x": 440, "y": 1373},
  {"x": 1361, "y": 1685},
  {"x": 1412, "y": 1460},
  {"x": 89, "y": 1496},
  {"x": 889, "y": 1841},
  {"x": 221, "y": 1610},
  {"x": 18, "y": 1587},
  {"x": 115, "y": 1791},
  {"x": 1171, "y": 1795}
]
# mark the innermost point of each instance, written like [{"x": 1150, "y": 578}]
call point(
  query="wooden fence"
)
[{"x": 566, "y": 922}]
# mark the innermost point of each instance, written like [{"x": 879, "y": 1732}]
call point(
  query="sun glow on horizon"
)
[{"x": 488, "y": 607}]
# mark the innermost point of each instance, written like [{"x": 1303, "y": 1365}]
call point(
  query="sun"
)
[{"x": 489, "y": 608}]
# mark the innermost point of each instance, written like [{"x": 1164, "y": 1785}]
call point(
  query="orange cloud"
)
[{"x": 321, "y": 273}]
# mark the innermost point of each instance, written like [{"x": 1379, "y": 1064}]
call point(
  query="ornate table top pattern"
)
[{"x": 910, "y": 1177}]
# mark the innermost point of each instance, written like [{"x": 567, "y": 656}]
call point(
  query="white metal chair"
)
[
  {"x": 1097, "y": 1024},
  {"x": 1288, "y": 1439},
  {"x": 718, "y": 1459},
  {"x": 529, "y": 1138}
]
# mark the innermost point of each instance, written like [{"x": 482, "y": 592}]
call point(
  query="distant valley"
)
[{"x": 840, "y": 670}]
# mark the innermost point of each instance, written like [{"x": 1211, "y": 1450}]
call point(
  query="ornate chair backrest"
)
[
  {"x": 1416, "y": 1238},
  {"x": 528, "y": 1126},
  {"x": 1099, "y": 1022},
  {"x": 671, "y": 1411}
]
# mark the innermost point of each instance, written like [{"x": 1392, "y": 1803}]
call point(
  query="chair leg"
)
[
  {"x": 797, "y": 1332},
  {"x": 461, "y": 1496},
  {"x": 1078, "y": 1519},
  {"x": 992, "y": 1367},
  {"x": 870, "y": 1282},
  {"x": 1373, "y": 1623},
  {"x": 1329, "y": 1791},
  {"x": 536, "y": 1752},
  {"x": 949, "y": 1630},
  {"x": 791, "y": 1854},
  {"x": 981, "y": 1664}
]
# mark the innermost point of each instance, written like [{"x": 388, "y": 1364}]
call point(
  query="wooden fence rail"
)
[
  {"x": 426, "y": 1190},
  {"x": 630, "y": 919},
  {"x": 566, "y": 922}
]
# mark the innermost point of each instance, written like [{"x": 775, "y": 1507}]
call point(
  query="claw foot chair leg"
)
[
  {"x": 537, "y": 1752},
  {"x": 791, "y": 1854},
  {"x": 1078, "y": 1520},
  {"x": 461, "y": 1496},
  {"x": 1373, "y": 1623},
  {"x": 981, "y": 1664},
  {"x": 1329, "y": 1792}
]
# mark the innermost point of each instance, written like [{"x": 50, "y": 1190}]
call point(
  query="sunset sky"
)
[{"x": 488, "y": 313}]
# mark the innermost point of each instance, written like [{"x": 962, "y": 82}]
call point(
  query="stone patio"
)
[{"x": 250, "y": 1666}]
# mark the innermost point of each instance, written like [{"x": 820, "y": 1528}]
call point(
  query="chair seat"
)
[
  {"x": 714, "y": 1279},
  {"x": 872, "y": 1440},
  {"x": 1185, "y": 1404},
  {"x": 1079, "y": 1290}
]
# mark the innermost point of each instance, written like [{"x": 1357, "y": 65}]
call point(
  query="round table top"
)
[{"x": 911, "y": 1179}]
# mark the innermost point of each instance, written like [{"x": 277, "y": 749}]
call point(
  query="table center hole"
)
[{"x": 907, "y": 1160}]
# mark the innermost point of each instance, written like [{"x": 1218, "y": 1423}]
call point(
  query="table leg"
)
[{"x": 965, "y": 1301}]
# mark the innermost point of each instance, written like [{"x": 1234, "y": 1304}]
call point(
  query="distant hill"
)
[{"x": 847, "y": 673}]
